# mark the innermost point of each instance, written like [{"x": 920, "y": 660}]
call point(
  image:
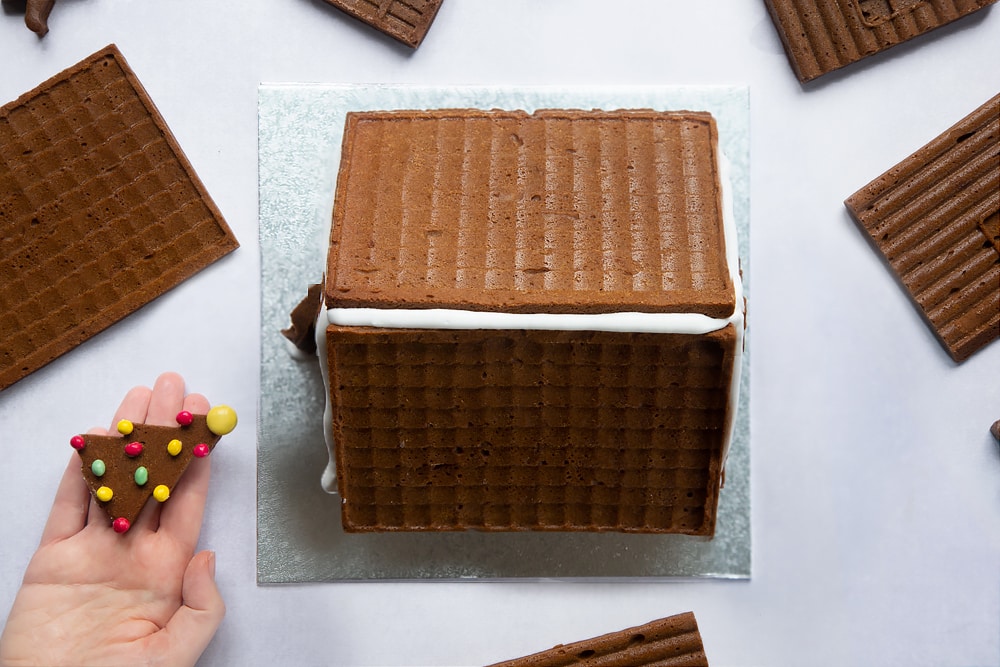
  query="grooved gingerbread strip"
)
[
  {"x": 559, "y": 210},
  {"x": 668, "y": 642},
  {"x": 406, "y": 21},
  {"x": 935, "y": 217},
  {"x": 824, "y": 35}
]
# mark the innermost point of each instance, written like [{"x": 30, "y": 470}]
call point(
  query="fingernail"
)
[{"x": 211, "y": 563}]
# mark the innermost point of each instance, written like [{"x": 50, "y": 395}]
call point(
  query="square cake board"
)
[{"x": 299, "y": 534}]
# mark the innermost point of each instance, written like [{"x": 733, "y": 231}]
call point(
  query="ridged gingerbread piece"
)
[
  {"x": 406, "y": 21},
  {"x": 667, "y": 642},
  {"x": 821, "y": 36},
  {"x": 935, "y": 219}
]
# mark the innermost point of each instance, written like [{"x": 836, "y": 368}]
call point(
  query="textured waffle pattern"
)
[
  {"x": 823, "y": 35},
  {"x": 557, "y": 211},
  {"x": 668, "y": 642},
  {"x": 99, "y": 210},
  {"x": 404, "y": 20},
  {"x": 543, "y": 430},
  {"x": 936, "y": 218}
]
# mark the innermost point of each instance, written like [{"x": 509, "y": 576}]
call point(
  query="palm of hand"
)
[
  {"x": 92, "y": 596},
  {"x": 122, "y": 594}
]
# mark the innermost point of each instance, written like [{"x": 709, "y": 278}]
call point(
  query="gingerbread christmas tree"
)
[{"x": 123, "y": 472}]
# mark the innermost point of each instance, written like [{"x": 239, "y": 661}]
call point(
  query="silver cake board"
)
[{"x": 299, "y": 534}]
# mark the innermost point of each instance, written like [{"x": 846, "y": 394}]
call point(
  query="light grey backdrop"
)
[{"x": 875, "y": 486}]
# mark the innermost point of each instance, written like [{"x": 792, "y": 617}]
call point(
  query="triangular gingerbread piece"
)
[{"x": 124, "y": 472}]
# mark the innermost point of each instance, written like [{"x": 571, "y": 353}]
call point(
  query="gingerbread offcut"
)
[{"x": 36, "y": 15}]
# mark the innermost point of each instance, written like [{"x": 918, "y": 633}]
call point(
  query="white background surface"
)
[{"x": 875, "y": 483}]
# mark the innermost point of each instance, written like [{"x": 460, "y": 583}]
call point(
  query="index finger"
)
[{"x": 166, "y": 400}]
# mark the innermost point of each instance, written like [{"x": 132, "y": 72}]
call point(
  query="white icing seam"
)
[
  {"x": 329, "y": 478},
  {"x": 443, "y": 318}
]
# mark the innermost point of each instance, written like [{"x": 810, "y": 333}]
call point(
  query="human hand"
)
[{"x": 91, "y": 596}]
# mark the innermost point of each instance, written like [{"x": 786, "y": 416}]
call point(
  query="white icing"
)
[
  {"x": 443, "y": 318},
  {"x": 329, "y": 478},
  {"x": 624, "y": 322}
]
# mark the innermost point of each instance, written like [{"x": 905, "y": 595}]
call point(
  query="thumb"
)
[{"x": 193, "y": 625}]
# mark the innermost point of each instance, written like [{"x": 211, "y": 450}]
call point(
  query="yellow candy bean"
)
[
  {"x": 174, "y": 447},
  {"x": 104, "y": 494},
  {"x": 221, "y": 419},
  {"x": 125, "y": 427},
  {"x": 161, "y": 492}
]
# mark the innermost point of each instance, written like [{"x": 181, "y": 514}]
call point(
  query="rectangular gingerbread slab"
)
[
  {"x": 558, "y": 211},
  {"x": 824, "y": 35},
  {"x": 668, "y": 642},
  {"x": 935, "y": 218},
  {"x": 529, "y": 430},
  {"x": 100, "y": 211},
  {"x": 406, "y": 21}
]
